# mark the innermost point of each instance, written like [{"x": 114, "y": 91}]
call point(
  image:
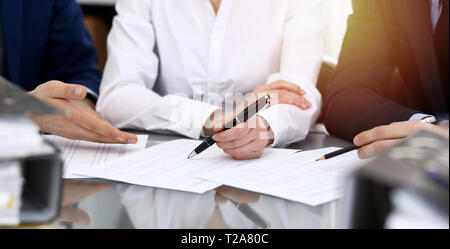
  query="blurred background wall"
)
[{"x": 99, "y": 15}]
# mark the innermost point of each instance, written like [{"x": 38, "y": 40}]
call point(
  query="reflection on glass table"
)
[
  {"x": 160, "y": 208},
  {"x": 241, "y": 200},
  {"x": 73, "y": 192}
]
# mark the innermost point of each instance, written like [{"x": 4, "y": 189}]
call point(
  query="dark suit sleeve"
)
[
  {"x": 356, "y": 98},
  {"x": 71, "y": 56}
]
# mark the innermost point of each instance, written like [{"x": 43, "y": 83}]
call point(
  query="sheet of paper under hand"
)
[
  {"x": 82, "y": 154},
  {"x": 289, "y": 175},
  {"x": 163, "y": 166}
]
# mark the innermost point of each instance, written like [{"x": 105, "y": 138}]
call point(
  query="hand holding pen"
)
[
  {"x": 373, "y": 142},
  {"x": 248, "y": 140},
  {"x": 247, "y": 136}
]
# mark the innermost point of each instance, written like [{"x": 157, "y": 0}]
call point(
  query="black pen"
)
[
  {"x": 243, "y": 117},
  {"x": 339, "y": 152}
]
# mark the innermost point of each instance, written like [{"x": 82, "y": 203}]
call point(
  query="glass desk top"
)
[{"x": 102, "y": 204}]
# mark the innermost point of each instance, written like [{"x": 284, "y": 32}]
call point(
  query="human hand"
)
[
  {"x": 381, "y": 138},
  {"x": 74, "y": 215},
  {"x": 73, "y": 192},
  {"x": 283, "y": 92},
  {"x": 280, "y": 92},
  {"x": 245, "y": 141},
  {"x": 223, "y": 194},
  {"x": 81, "y": 121}
]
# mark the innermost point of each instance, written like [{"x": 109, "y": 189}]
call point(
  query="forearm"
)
[
  {"x": 71, "y": 55},
  {"x": 137, "y": 107},
  {"x": 303, "y": 49},
  {"x": 355, "y": 110}
]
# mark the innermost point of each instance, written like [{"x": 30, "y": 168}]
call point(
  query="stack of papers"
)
[
  {"x": 19, "y": 137},
  {"x": 11, "y": 183},
  {"x": 279, "y": 172}
]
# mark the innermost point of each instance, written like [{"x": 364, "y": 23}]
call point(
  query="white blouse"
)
[{"x": 164, "y": 53}]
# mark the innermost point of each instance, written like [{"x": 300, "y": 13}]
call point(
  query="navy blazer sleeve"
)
[
  {"x": 356, "y": 98},
  {"x": 71, "y": 56}
]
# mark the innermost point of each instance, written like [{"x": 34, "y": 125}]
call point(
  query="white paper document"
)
[
  {"x": 82, "y": 154},
  {"x": 279, "y": 172},
  {"x": 290, "y": 175},
  {"x": 163, "y": 166}
]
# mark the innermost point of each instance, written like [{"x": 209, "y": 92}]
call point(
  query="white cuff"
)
[
  {"x": 289, "y": 123},
  {"x": 89, "y": 91},
  {"x": 419, "y": 116},
  {"x": 184, "y": 115}
]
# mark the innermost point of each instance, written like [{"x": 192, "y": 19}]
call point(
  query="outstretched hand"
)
[{"x": 81, "y": 122}]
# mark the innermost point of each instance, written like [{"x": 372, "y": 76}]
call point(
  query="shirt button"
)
[{"x": 215, "y": 44}]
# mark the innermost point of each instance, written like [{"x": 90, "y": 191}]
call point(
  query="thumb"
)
[
  {"x": 60, "y": 90},
  {"x": 219, "y": 125}
]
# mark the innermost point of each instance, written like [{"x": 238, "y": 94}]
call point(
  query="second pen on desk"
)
[
  {"x": 427, "y": 119},
  {"x": 338, "y": 153},
  {"x": 243, "y": 117}
]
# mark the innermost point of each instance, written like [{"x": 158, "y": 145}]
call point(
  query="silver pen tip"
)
[{"x": 192, "y": 155}]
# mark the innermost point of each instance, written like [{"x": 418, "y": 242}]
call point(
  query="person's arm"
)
[
  {"x": 71, "y": 56},
  {"x": 301, "y": 59},
  {"x": 80, "y": 122},
  {"x": 288, "y": 121},
  {"x": 356, "y": 98},
  {"x": 126, "y": 96}
]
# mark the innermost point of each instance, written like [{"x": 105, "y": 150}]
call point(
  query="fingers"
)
[
  {"x": 130, "y": 138},
  {"x": 218, "y": 198},
  {"x": 236, "y": 195},
  {"x": 97, "y": 125},
  {"x": 387, "y": 132},
  {"x": 57, "y": 89},
  {"x": 80, "y": 133},
  {"x": 377, "y": 148},
  {"x": 234, "y": 133},
  {"x": 253, "y": 134},
  {"x": 246, "y": 141},
  {"x": 74, "y": 215},
  {"x": 285, "y": 85},
  {"x": 249, "y": 151},
  {"x": 62, "y": 126},
  {"x": 289, "y": 98},
  {"x": 70, "y": 97}
]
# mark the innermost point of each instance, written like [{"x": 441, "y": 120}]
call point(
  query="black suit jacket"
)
[{"x": 384, "y": 35}]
